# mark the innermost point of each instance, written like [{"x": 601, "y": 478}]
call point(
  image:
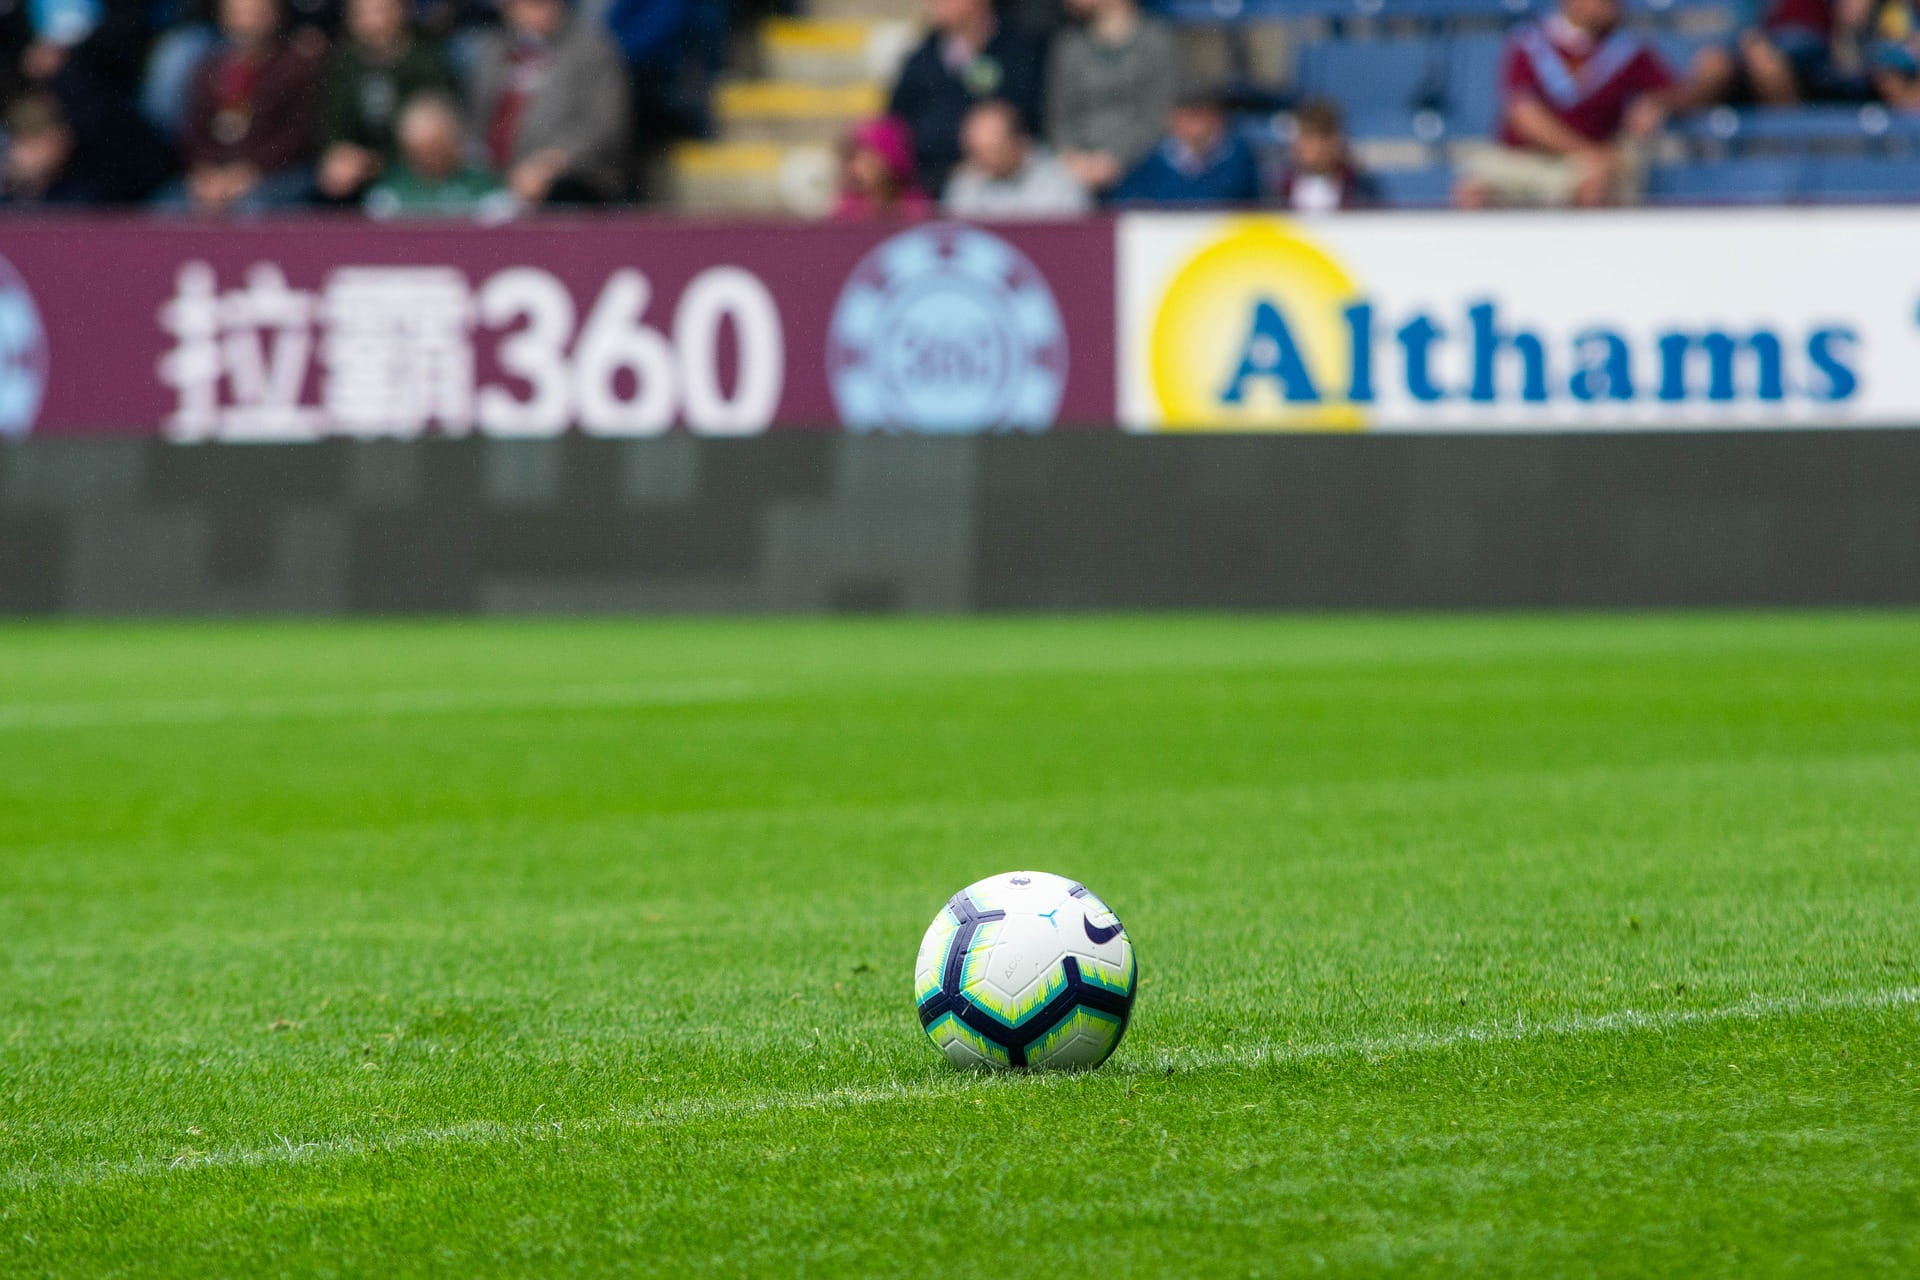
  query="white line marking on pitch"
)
[
  {"x": 285, "y": 1151},
  {"x": 374, "y": 704},
  {"x": 1753, "y": 1008}
]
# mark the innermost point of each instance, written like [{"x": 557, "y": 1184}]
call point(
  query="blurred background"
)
[{"x": 853, "y": 305}]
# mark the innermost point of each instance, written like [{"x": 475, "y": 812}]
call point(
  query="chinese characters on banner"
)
[{"x": 393, "y": 351}]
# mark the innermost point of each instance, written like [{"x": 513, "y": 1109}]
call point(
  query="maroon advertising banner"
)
[{"x": 301, "y": 330}]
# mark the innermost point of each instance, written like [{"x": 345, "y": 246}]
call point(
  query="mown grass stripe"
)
[{"x": 1756, "y": 1008}]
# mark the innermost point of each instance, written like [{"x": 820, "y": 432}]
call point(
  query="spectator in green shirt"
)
[
  {"x": 431, "y": 178},
  {"x": 382, "y": 64}
]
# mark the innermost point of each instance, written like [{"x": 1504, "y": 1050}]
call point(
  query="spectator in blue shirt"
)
[{"x": 1200, "y": 161}]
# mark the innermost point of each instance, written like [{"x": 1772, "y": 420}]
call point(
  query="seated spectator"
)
[
  {"x": 1200, "y": 161},
  {"x": 1110, "y": 83},
  {"x": 1782, "y": 55},
  {"x": 382, "y": 64},
  {"x": 550, "y": 103},
  {"x": 430, "y": 176},
  {"x": 1320, "y": 175},
  {"x": 1884, "y": 36},
  {"x": 1579, "y": 97},
  {"x": 250, "y": 119},
  {"x": 114, "y": 154},
  {"x": 877, "y": 177},
  {"x": 107, "y": 38},
  {"x": 968, "y": 57},
  {"x": 39, "y": 168},
  {"x": 1005, "y": 177}
]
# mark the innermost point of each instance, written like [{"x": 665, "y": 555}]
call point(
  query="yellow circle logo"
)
[{"x": 1252, "y": 334}]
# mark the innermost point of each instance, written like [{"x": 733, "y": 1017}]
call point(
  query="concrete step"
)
[
  {"x": 837, "y": 51},
  {"x": 753, "y": 178},
  {"x": 903, "y": 10},
  {"x": 791, "y": 111}
]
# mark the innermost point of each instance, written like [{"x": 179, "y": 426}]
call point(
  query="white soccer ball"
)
[{"x": 1025, "y": 970}]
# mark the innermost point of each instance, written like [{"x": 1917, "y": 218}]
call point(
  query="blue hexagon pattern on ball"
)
[{"x": 1025, "y": 970}]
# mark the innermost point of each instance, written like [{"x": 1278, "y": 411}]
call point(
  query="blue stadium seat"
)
[
  {"x": 1473, "y": 84},
  {"x": 1369, "y": 73},
  {"x": 1228, "y": 12},
  {"x": 1865, "y": 179},
  {"x": 1678, "y": 49},
  {"x": 1439, "y": 11},
  {"x": 1415, "y": 188},
  {"x": 1807, "y": 128},
  {"x": 1726, "y": 182},
  {"x": 1662, "y": 10},
  {"x": 1381, "y": 85}
]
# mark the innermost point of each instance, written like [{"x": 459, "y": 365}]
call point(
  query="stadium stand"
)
[{"x": 739, "y": 110}]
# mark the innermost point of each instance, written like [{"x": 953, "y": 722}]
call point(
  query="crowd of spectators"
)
[
  {"x": 1001, "y": 126},
  {"x": 999, "y": 122},
  {"x": 1036, "y": 108},
  {"x": 453, "y": 107}
]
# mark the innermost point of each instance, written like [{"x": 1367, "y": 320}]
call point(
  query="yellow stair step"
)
[
  {"x": 813, "y": 35},
  {"x": 729, "y": 159},
  {"x": 797, "y": 100}
]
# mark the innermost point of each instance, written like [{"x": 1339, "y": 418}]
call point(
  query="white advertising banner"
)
[{"x": 1483, "y": 322}]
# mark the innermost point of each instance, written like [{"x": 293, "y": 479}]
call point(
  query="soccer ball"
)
[{"x": 1025, "y": 970}]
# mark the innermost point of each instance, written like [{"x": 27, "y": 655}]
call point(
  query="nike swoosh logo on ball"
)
[{"x": 1099, "y": 936}]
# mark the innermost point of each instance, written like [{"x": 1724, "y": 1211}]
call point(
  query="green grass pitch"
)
[{"x": 1523, "y": 947}]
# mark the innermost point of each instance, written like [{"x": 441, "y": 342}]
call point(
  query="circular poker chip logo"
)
[
  {"x": 946, "y": 329},
  {"x": 23, "y": 354}
]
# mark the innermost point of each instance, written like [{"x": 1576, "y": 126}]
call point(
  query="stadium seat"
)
[
  {"x": 1803, "y": 128},
  {"x": 1440, "y": 11},
  {"x": 1416, "y": 188},
  {"x": 1865, "y": 179},
  {"x": 1228, "y": 12},
  {"x": 1726, "y": 182},
  {"x": 1381, "y": 85},
  {"x": 1678, "y": 49},
  {"x": 1473, "y": 84}
]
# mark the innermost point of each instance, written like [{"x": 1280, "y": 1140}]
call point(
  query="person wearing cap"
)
[{"x": 1200, "y": 161}]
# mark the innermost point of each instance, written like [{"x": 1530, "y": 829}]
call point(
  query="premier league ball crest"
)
[{"x": 946, "y": 329}]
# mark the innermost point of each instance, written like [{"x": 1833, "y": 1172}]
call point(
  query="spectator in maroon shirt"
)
[
  {"x": 1782, "y": 55},
  {"x": 251, "y": 114},
  {"x": 1578, "y": 96}
]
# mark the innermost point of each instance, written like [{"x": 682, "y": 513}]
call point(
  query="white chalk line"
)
[
  {"x": 1157, "y": 1066},
  {"x": 374, "y": 704}
]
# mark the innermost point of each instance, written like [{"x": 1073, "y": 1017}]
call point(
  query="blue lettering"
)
[
  {"x": 1360, "y": 342},
  {"x": 1720, "y": 348},
  {"x": 1842, "y": 382},
  {"x": 1417, "y": 337},
  {"x": 1487, "y": 341},
  {"x": 1269, "y": 352},
  {"x": 1603, "y": 367}
]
